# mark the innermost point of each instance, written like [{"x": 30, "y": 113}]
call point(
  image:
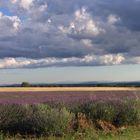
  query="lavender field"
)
[
  {"x": 68, "y": 97},
  {"x": 56, "y": 114}
]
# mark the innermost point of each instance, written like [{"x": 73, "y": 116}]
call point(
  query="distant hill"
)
[{"x": 81, "y": 84}]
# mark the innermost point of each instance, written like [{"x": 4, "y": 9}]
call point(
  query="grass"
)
[
  {"x": 131, "y": 133},
  {"x": 53, "y": 89}
]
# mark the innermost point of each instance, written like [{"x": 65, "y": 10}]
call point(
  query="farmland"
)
[
  {"x": 47, "y": 89},
  {"x": 66, "y": 95},
  {"x": 69, "y": 113}
]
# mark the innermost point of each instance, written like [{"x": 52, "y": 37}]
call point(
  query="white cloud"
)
[
  {"x": 9, "y": 24},
  {"x": 87, "y": 42},
  {"x": 14, "y": 1},
  {"x": 1, "y": 15},
  {"x": 112, "y": 19},
  {"x": 134, "y": 60},
  {"x": 90, "y": 60},
  {"x": 112, "y": 59},
  {"x": 13, "y": 63},
  {"x": 82, "y": 23},
  {"x": 16, "y": 22},
  {"x": 26, "y": 4},
  {"x": 43, "y": 8}
]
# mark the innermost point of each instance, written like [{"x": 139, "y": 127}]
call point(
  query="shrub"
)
[
  {"x": 1, "y": 136},
  {"x": 81, "y": 123},
  {"x": 34, "y": 119},
  {"x": 127, "y": 114},
  {"x": 99, "y": 111},
  {"x": 46, "y": 120},
  {"x": 57, "y": 121},
  {"x": 120, "y": 113},
  {"x": 11, "y": 117}
]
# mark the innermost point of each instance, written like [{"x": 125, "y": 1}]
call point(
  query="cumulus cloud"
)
[
  {"x": 8, "y": 24},
  {"x": 13, "y": 63},
  {"x": 112, "y": 19},
  {"x": 26, "y": 4},
  {"x": 39, "y": 33},
  {"x": 82, "y": 25},
  {"x": 89, "y": 60}
]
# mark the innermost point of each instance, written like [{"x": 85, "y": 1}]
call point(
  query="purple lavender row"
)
[{"x": 65, "y": 97}]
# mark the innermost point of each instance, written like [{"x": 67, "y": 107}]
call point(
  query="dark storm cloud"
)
[
  {"x": 106, "y": 30},
  {"x": 128, "y": 11}
]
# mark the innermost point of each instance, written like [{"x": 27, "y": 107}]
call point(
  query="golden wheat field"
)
[{"x": 54, "y": 89}]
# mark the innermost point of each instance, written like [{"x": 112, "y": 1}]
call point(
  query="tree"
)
[{"x": 25, "y": 84}]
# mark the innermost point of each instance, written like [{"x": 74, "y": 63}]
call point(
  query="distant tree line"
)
[
  {"x": 86, "y": 84},
  {"x": 115, "y": 84}
]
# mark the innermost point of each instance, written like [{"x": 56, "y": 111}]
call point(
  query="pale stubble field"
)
[{"x": 64, "y": 89}]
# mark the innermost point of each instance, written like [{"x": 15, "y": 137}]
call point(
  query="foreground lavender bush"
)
[
  {"x": 48, "y": 120},
  {"x": 127, "y": 113},
  {"x": 118, "y": 113},
  {"x": 11, "y": 117},
  {"x": 34, "y": 119}
]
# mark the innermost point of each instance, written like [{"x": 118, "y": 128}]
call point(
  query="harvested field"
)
[
  {"x": 65, "y": 95},
  {"x": 62, "y": 89}
]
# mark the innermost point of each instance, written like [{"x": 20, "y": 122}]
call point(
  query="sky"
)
[{"x": 69, "y": 40}]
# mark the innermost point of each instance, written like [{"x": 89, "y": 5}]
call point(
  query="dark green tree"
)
[{"x": 25, "y": 84}]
